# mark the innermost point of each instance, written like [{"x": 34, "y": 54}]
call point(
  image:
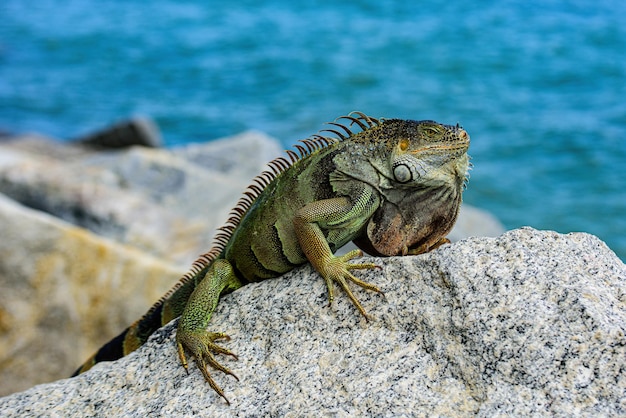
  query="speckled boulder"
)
[{"x": 531, "y": 323}]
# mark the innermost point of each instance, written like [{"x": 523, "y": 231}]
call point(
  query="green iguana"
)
[{"x": 392, "y": 186}]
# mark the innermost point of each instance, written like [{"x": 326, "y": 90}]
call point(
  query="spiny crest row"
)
[{"x": 260, "y": 182}]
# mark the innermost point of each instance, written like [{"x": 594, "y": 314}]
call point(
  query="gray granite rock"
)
[{"x": 531, "y": 323}]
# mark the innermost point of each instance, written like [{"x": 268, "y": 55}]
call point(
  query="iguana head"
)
[
  {"x": 421, "y": 181},
  {"x": 422, "y": 150}
]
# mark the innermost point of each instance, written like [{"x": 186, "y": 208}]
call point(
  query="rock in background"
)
[
  {"x": 531, "y": 323},
  {"x": 61, "y": 286},
  {"x": 93, "y": 235}
]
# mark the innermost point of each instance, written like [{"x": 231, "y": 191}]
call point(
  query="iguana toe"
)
[
  {"x": 338, "y": 270},
  {"x": 202, "y": 345}
]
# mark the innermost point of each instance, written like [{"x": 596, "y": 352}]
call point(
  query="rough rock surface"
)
[
  {"x": 90, "y": 239},
  {"x": 531, "y": 323},
  {"x": 58, "y": 283}
]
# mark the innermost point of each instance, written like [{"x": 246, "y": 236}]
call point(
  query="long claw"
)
[
  {"x": 201, "y": 345},
  {"x": 351, "y": 296},
  {"x": 339, "y": 271},
  {"x": 363, "y": 284}
]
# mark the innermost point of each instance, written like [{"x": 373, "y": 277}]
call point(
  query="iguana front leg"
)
[
  {"x": 345, "y": 218},
  {"x": 191, "y": 334}
]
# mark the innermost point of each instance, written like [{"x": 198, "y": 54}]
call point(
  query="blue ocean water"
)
[{"x": 539, "y": 84}]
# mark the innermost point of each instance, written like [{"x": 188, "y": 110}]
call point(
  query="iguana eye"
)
[
  {"x": 431, "y": 131},
  {"x": 402, "y": 173}
]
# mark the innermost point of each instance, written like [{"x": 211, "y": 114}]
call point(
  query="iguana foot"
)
[
  {"x": 337, "y": 270},
  {"x": 201, "y": 345}
]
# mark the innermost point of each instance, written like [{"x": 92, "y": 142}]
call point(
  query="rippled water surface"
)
[{"x": 540, "y": 85}]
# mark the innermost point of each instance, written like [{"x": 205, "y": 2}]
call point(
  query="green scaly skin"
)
[{"x": 394, "y": 188}]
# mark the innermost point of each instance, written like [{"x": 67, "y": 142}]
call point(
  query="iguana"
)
[{"x": 392, "y": 186}]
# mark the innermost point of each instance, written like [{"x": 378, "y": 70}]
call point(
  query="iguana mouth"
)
[
  {"x": 461, "y": 144},
  {"x": 443, "y": 147}
]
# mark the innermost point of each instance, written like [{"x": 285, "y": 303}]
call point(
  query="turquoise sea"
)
[{"x": 539, "y": 84}]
